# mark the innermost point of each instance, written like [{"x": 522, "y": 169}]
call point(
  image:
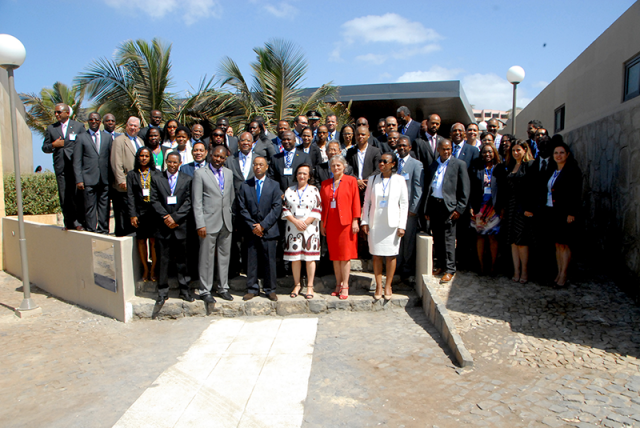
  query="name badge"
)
[
  {"x": 383, "y": 203},
  {"x": 288, "y": 171},
  {"x": 145, "y": 192},
  {"x": 172, "y": 200},
  {"x": 302, "y": 213},
  {"x": 72, "y": 136},
  {"x": 333, "y": 204},
  {"x": 405, "y": 175},
  {"x": 487, "y": 190}
]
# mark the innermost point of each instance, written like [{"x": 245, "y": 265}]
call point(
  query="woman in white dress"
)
[
  {"x": 302, "y": 209},
  {"x": 384, "y": 219}
]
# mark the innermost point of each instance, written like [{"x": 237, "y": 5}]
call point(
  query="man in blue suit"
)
[
  {"x": 461, "y": 150},
  {"x": 406, "y": 125},
  {"x": 260, "y": 207}
]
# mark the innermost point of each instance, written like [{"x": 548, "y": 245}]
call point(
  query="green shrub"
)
[{"x": 39, "y": 194}]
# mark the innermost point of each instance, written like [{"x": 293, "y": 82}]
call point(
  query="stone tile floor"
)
[{"x": 543, "y": 357}]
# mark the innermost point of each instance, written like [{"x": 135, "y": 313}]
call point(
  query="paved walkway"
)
[{"x": 543, "y": 357}]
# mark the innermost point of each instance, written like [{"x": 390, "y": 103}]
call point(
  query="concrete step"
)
[{"x": 359, "y": 300}]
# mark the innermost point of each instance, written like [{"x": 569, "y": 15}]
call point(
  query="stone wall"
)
[{"x": 608, "y": 152}]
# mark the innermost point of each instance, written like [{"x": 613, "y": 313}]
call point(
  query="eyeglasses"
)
[
  {"x": 384, "y": 161},
  {"x": 218, "y": 135}
]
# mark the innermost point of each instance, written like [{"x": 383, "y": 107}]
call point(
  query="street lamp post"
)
[
  {"x": 515, "y": 75},
  {"x": 12, "y": 55}
]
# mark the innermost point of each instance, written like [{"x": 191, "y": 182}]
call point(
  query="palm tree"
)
[
  {"x": 278, "y": 74},
  {"x": 40, "y": 108},
  {"x": 132, "y": 84},
  {"x": 205, "y": 104}
]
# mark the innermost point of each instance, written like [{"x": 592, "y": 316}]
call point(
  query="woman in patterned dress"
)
[{"x": 302, "y": 209}]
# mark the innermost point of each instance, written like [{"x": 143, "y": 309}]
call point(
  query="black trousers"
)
[
  {"x": 71, "y": 199},
  {"x": 193, "y": 248},
  {"x": 407, "y": 255},
  {"x": 121, "y": 213},
  {"x": 96, "y": 208},
  {"x": 166, "y": 250},
  {"x": 261, "y": 257},
  {"x": 443, "y": 230}
]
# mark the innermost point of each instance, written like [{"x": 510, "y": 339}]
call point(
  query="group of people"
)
[{"x": 261, "y": 203}]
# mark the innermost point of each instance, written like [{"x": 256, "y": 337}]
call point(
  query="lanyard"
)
[
  {"x": 335, "y": 188},
  {"x": 301, "y": 195},
  {"x": 384, "y": 187},
  {"x": 489, "y": 173},
  {"x": 554, "y": 178},
  {"x": 440, "y": 169}
]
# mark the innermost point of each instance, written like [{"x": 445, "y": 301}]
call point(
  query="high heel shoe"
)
[{"x": 344, "y": 296}]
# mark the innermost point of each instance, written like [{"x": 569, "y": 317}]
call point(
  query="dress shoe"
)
[
  {"x": 447, "y": 277},
  {"x": 187, "y": 297},
  {"x": 207, "y": 298},
  {"x": 225, "y": 295},
  {"x": 161, "y": 299},
  {"x": 273, "y": 296},
  {"x": 79, "y": 228},
  {"x": 249, "y": 296},
  {"x": 437, "y": 271}
]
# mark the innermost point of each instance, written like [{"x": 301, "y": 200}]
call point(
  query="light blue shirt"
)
[{"x": 438, "y": 178}]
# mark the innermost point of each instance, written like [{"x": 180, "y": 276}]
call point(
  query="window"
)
[
  {"x": 558, "y": 119},
  {"x": 632, "y": 79},
  {"x": 496, "y": 115}
]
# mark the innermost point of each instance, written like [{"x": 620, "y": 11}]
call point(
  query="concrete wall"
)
[
  {"x": 61, "y": 263},
  {"x": 24, "y": 133}
]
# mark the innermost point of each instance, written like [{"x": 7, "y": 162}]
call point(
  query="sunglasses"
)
[
  {"x": 384, "y": 161},
  {"x": 218, "y": 135}
]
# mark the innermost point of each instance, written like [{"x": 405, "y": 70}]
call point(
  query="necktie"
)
[
  {"x": 456, "y": 149},
  {"x": 432, "y": 139},
  {"x": 258, "y": 189},
  {"x": 220, "y": 179},
  {"x": 289, "y": 154},
  {"x": 401, "y": 166},
  {"x": 96, "y": 141},
  {"x": 543, "y": 165}
]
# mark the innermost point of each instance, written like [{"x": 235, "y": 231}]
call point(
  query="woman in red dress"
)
[{"x": 340, "y": 214}]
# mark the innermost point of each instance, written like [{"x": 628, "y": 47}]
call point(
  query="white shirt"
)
[
  {"x": 172, "y": 177},
  {"x": 438, "y": 178},
  {"x": 361, "y": 156},
  {"x": 497, "y": 140},
  {"x": 63, "y": 128},
  {"x": 332, "y": 136},
  {"x": 245, "y": 163},
  {"x": 95, "y": 137},
  {"x": 453, "y": 146}
]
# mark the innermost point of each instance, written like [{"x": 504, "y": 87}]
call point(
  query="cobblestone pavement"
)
[{"x": 543, "y": 357}]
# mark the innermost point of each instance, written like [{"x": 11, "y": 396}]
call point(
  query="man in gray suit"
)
[
  {"x": 213, "y": 198},
  {"x": 60, "y": 139},
  {"x": 91, "y": 167},
  {"x": 412, "y": 171}
]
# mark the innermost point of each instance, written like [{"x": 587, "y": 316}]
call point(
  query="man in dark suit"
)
[
  {"x": 213, "y": 202},
  {"x": 123, "y": 152},
  {"x": 91, "y": 167},
  {"x": 446, "y": 200},
  {"x": 532, "y": 128},
  {"x": 323, "y": 172},
  {"x": 363, "y": 158},
  {"x": 283, "y": 126},
  {"x": 391, "y": 125},
  {"x": 230, "y": 141},
  {"x": 407, "y": 126},
  {"x": 171, "y": 200},
  {"x": 331, "y": 122},
  {"x": 411, "y": 170},
  {"x": 60, "y": 139},
  {"x": 426, "y": 145},
  {"x": 465, "y": 249},
  {"x": 199, "y": 153},
  {"x": 283, "y": 165},
  {"x": 155, "y": 119},
  {"x": 197, "y": 132},
  {"x": 260, "y": 206},
  {"x": 241, "y": 163},
  {"x": 299, "y": 123},
  {"x": 218, "y": 138},
  {"x": 372, "y": 141},
  {"x": 109, "y": 122},
  {"x": 460, "y": 150}
]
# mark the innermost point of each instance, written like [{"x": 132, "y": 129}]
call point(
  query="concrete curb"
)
[{"x": 438, "y": 314}]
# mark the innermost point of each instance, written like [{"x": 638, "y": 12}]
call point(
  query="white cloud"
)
[
  {"x": 491, "y": 91},
  {"x": 488, "y": 91},
  {"x": 410, "y": 38},
  {"x": 390, "y": 27},
  {"x": 194, "y": 10},
  {"x": 434, "y": 74},
  {"x": 282, "y": 10}
]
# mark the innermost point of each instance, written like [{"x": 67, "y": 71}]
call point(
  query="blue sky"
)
[{"x": 346, "y": 42}]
